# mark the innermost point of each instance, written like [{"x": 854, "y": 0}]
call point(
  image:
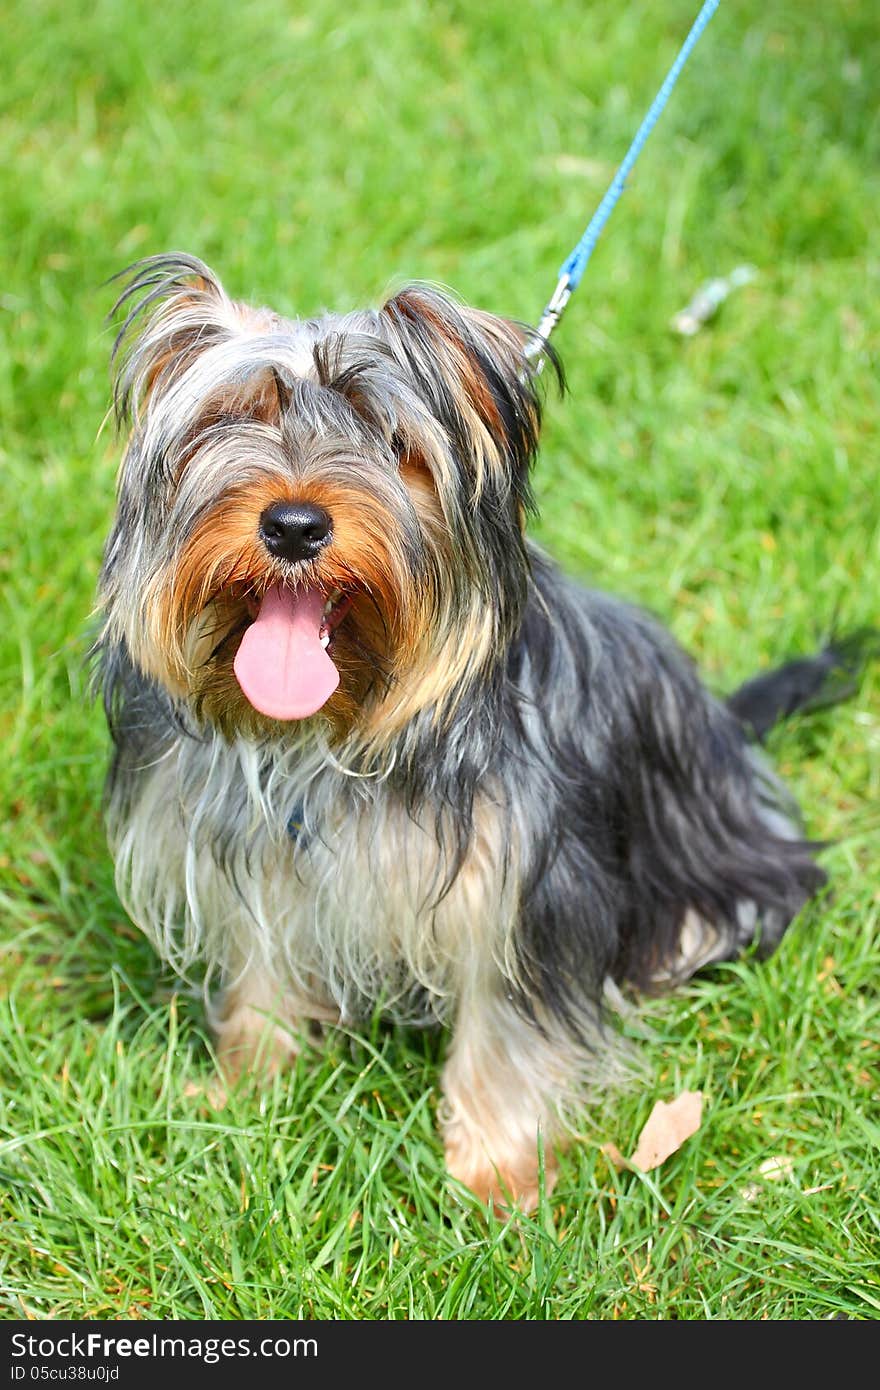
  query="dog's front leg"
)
[{"x": 505, "y": 1084}]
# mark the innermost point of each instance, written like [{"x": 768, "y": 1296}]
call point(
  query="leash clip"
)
[{"x": 549, "y": 319}]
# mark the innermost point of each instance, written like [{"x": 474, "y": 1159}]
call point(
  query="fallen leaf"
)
[{"x": 667, "y": 1127}]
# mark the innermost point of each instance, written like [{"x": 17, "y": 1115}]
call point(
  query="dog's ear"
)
[
  {"x": 174, "y": 308},
  {"x": 472, "y": 371}
]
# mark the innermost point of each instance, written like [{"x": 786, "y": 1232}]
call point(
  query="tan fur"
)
[
  {"x": 473, "y": 398},
  {"x": 261, "y": 1026},
  {"x": 435, "y": 680},
  {"x": 502, "y": 1085}
]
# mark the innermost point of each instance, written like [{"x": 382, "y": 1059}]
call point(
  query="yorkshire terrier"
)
[{"x": 372, "y": 750}]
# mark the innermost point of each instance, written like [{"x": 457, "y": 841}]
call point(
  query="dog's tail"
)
[{"x": 809, "y": 683}]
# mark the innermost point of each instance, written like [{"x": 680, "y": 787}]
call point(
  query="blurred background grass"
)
[{"x": 316, "y": 157}]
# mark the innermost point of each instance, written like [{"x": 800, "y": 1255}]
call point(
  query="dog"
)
[{"x": 372, "y": 750}]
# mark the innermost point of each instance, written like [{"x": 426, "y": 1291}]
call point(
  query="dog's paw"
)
[
  {"x": 511, "y": 1184},
  {"x": 213, "y": 1092},
  {"x": 252, "y": 1045}
]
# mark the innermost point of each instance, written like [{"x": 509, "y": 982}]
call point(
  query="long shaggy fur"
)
[{"x": 520, "y": 790}]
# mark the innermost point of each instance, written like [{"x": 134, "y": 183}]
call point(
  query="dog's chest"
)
[
  {"x": 226, "y": 860},
  {"x": 373, "y": 898}
]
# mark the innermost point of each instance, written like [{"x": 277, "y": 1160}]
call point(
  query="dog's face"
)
[{"x": 316, "y": 519}]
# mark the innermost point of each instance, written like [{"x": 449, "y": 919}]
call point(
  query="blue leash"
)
[{"x": 573, "y": 268}]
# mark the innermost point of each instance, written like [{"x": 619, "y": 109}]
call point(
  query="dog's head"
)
[{"x": 318, "y": 518}]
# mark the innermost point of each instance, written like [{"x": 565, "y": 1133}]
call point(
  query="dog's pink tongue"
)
[{"x": 280, "y": 665}]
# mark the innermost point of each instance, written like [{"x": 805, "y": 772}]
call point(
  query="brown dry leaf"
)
[{"x": 667, "y": 1127}]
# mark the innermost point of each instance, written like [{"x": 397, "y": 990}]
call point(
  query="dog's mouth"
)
[{"x": 283, "y": 663}]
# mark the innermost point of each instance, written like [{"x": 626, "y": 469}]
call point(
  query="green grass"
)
[{"x": 316, "y": 155}]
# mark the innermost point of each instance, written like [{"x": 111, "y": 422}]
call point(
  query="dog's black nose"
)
[{"x": 295, "y": 530}]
